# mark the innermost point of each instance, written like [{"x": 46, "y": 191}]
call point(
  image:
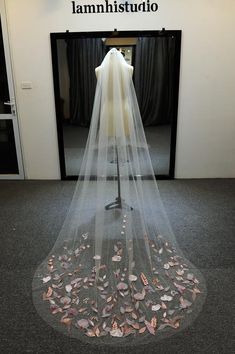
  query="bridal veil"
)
[{"x": 116, "y": 274}]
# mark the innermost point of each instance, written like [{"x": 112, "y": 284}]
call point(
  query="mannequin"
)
[
  {"x": 108, "y": 118},
  {"x": 109, "y": 104}
]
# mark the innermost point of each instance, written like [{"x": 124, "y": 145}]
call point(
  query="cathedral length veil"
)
[{"x": 115, "y": 274}]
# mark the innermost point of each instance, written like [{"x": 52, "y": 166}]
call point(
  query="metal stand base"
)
[{"x": 118, "y": 204}]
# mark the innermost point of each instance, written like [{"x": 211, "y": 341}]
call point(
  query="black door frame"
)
[{"x": 69, "y": 35}]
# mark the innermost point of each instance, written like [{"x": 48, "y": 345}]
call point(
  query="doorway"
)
[{"x": 11, "y": 165}]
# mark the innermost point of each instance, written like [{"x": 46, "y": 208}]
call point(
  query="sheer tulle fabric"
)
[{"x": 115, "y": 274}]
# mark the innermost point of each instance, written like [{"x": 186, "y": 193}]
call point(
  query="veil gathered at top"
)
[{"x": 115, "y": 274}]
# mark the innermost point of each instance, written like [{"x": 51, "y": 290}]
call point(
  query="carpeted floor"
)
[{"x": 202, "y": 214}]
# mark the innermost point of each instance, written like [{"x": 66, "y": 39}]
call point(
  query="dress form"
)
[
  {"x": 112, "y": 129},
  {"x": 109, "y": 104}
]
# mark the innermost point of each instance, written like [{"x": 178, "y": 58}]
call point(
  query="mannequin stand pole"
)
[{"x": 119, "y": 203}]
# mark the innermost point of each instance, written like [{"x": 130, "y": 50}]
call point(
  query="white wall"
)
[{"x": 206, "y": 122}]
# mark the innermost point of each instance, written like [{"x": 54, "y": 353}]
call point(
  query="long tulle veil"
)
[{"x": 115, "y": 274}]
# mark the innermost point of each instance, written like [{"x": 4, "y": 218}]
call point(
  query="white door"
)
[{"x": 11, "y": 166}]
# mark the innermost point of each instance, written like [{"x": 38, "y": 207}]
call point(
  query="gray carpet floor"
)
[{"x": 202, "y": 214}]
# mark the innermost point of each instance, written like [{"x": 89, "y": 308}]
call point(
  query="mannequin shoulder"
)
[
  {"x": 97, "y": 71},
  {"x": 130, "y": 69}
]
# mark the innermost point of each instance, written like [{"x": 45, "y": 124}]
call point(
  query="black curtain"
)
[
  {"x": 84, "y": 55},
  {"x": 154, "y": 79}
]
